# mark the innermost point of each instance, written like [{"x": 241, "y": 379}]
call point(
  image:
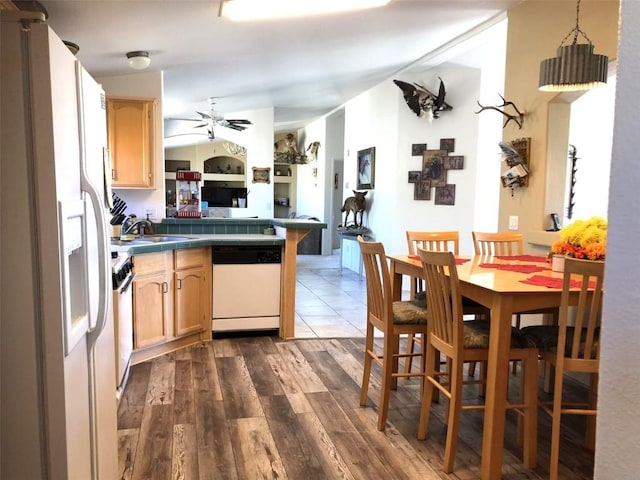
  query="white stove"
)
[
  {"x": 121, "y": 267},
  {"x": 122, "y": 277}
]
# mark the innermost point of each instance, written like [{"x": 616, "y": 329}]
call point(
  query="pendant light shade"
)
[{"x": 575, "y": 67}]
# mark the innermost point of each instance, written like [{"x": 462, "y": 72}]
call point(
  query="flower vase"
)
[{"x": 557, "y": 263}]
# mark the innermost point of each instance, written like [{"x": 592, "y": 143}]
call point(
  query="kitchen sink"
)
[
  {"x": 162, "y": 238},
  {"x": 147, "y": 239}
]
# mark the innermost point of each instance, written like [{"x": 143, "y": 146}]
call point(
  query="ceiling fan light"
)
[
  {"x": 139, "y": 60},
  {"x": 246, "y": 10}
]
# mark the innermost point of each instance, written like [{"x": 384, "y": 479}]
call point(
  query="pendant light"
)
[{"x": 575, "y": 67}]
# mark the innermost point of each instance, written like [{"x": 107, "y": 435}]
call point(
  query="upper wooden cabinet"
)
[{"x": 130, "y": 125}]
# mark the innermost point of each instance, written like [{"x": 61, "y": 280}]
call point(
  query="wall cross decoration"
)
[{"x": 433, "y": 173}]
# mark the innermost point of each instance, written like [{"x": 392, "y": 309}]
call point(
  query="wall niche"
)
[{"x": 224, "y": 165}]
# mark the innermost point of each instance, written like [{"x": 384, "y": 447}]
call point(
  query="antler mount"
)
[{"x": 518, "y": 118}]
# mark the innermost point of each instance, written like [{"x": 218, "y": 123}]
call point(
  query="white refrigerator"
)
[{"x": 58, "y": 393}]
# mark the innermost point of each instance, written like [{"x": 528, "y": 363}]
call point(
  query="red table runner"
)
[
  {"x": 553, "y": 282},
  {"x": 524, "y": 258},
  {"x": 514, "y": 268}
]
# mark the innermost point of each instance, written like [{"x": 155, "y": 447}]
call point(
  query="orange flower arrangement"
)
[{"x": 585, "y": 239}]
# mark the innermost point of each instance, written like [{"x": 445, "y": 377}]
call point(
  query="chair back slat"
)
[
  {"x": 379, "y": 296},
  {"x": 444, "y": 315},
  {"x": 501, "y": 243},
  {"x": 433, "y": 241},
  {"x": 585, "y": 321}
]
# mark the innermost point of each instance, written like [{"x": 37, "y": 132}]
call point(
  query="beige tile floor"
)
[{"x": 329, "y": 303}]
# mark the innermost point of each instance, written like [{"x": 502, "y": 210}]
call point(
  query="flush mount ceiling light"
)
[
  {"x": 139, "y": 60},
  {"x": 576, "y": 67},
  {"x": 244, "y": 10}
]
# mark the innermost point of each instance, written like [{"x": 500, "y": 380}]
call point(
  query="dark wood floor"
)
[{"x": 249, "y": 408}]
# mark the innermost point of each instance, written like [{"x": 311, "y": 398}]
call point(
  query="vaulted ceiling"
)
[{"x": 301, "y": 67}]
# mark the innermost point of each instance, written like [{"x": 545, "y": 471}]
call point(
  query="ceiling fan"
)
[{"x": 214, "y": 118}]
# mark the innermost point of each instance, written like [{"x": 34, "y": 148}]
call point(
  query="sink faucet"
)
[{"x": 137, "y": 227}]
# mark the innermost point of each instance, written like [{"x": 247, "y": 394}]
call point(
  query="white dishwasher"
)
[{"x": 246, "y": 287}]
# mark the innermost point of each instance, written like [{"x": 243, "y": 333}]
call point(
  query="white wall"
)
[
  {"x": 489, "y": 162},
  {"x": 591, "y": 131},
  {"x": 310, "y": 194},
  {"x": 258, "y": 139},
  {"x": 618, "y": 421},
  {"x": 463, "y": 87},
  {"x": 381, "y": 118},
  {"x": 333, "y": 201}
]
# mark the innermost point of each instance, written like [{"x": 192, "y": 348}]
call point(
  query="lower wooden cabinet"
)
[{"x": 171, "y": 301}]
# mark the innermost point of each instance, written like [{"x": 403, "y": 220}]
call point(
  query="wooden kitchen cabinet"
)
[
  {"x": 130, "y": 128},
  {"x": 152, "y": 299},
  {"x": 171, "y": 301},
  {"x": 192, "y": 311}
]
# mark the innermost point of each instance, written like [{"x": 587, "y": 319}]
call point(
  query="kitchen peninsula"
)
[{"x": 198, "y": 233}]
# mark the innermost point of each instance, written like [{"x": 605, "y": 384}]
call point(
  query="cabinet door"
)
[
  {"x": 130, "y": 125},
  {"x": 191, "y": 311},
  {"x": 151, "y": 309}
]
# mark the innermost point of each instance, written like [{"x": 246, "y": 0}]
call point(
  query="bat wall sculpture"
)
[{"x": 421, "y": 101}]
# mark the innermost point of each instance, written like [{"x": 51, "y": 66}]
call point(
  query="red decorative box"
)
[{"x": 189, "y": 176}]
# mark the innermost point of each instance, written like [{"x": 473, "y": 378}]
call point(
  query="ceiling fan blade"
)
[
  {"x": 240, "y": 121},
  {"x": 204, "y": 115},
  {"x": 233, "y": 126},
  {"x": 185, "y": 119},
  {"x": 181, "y": 134}
]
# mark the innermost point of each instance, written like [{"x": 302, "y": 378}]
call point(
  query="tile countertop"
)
[{"x": 200, "y": 240}]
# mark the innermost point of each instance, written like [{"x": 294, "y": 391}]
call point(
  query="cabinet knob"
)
[
  {"x": 165, "y": 287},
  {"x": 179, "y": 284}
]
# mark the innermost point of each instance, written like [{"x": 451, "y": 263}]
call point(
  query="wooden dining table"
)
[{"x": 504, "y": 292}]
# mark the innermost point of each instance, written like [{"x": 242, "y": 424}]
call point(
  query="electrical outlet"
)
[{"x": 513, "y": 222}]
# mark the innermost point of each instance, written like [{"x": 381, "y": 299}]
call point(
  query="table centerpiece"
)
[{"x": 584, "y": 239}]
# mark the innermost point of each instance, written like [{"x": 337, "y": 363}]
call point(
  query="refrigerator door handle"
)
[
  {"x": 103, "y": 249},
  {"x": 101, "y": 224}
]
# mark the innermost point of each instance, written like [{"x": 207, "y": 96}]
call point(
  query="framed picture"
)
[
  {"x": 433, "y": 167},
  {"x": 445, "y": 195},
  {"x": 448, "y": 144},
  {"x": 454, "y": 162},
  {"x": 417, "y": 149},
  {"x": 261, "y": 175},
  {"x": 422, "y": 190},
  {"x": 366, "y": 168},
  {"x": 414, "y": 176}
]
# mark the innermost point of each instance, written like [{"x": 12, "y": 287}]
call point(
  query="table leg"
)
[
  {"x": 396, "y": 283},
  {"x": 497, "y": 378}
]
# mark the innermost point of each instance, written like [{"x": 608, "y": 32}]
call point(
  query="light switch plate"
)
[{"x": 513, "y": 222}]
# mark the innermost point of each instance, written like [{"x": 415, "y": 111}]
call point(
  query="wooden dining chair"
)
[
  {"x": 500, "y": 243},
  {"x": 392, "y": 319},
  {"x": 503, "y": 243},
  {"x": 463, "y": 341},
  {"x": 567, "y": 351},
  {"x": 445, "y": 241},
  {"x": 432, "y": 241}
]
